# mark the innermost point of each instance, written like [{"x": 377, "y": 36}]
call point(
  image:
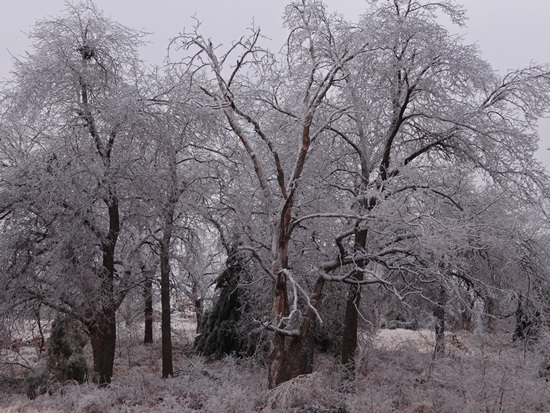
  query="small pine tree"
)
[{"x": 220, "y": 334}]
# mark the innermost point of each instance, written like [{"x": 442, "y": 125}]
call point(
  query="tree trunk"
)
[
  {"x": 349, "y": 339},
  {"x": 489, "y": 311},
  {"x": 277, "y": 366},
  {"x": 439, "y": 314},
  {"x": 102, "y": 329},
  {"x": 349, "y": 336},
  {"x": 166, "y": 325},
  {"x": 528, "y": 321},
  {"x": 197, "y": 301},
  {"x": 300, "y": 352},
  {"x": 148, "y": 310},
  {"x": 103, "y": 339}
]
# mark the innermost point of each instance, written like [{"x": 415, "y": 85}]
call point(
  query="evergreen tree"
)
[{"x": 220, "y": 334}]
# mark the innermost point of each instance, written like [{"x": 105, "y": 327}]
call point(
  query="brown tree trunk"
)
[
  {"x": 349, "y": 335},
  {"x": 166, "y": 324},
  {"x": 351, "y": 317},
  {"x": 300, "y": 352},
  {"x": 277, "y": 367},
  {"x": 102, "y": 329},
  {"x": 103, "y": 340},
  {"x": 148, "y": 310}
]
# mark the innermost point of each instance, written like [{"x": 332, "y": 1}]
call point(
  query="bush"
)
[
  {"x": 36, "y": 385},
  {"x": 65, "y": 360}
]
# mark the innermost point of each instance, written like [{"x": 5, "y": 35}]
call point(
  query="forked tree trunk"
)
[{"x": 289, "y": 356}]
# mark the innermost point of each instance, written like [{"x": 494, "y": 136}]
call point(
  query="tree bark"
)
[
  {"x": 165, "y": 244},
  {"x": 166, "y": 324},
  {"x": 102, "y": 328},
  {"x": 277, "y": 367},
  {"x": 489, "y": 310},
  {"x": 349, "y": 336},
  {"x": 103, "y": 340},
  {"x": 349, "y": 339},
  {"x": 197, "y": 301},
  {"x": 148, "y": 310},
  {"x": 301, "y": 350}
]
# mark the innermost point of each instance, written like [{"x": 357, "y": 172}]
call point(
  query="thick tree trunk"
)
[
  {"x": 349, "y": 336},
  {"x": 102, "y": 329},
  {"x": 300, "y": 352},
  {"x": 148, "y": 310},
  {"x": 103, "y": 340},
  {"x": 349, "y": 339},
  {"x": 298, "y": 355},
  {"x": 277, "y": 366},
  {"x": 166, "y": 324},
  {"x": 439, "y": 314}
]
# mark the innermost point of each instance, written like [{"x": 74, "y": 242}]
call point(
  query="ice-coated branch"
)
[
  {"x": 282, "y": 331},
  {"x": 295, "y": 286},
  {"x": 256, "y": 255}
]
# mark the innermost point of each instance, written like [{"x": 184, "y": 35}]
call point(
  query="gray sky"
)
[{"x": 511, "y": 33}]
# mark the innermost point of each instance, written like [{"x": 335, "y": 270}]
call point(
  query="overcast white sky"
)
[{"x": 511, "y": 33}]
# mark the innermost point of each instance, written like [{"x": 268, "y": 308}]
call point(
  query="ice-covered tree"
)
[
  {"x": 69, "y": 115},
  {"x": 423, "y": 102}
]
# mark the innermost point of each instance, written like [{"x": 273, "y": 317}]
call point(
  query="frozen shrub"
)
[
  {"x": 36, "y": 384},
  {"x": 65, "y": 360},
  {"x": 90, "y": 403},
  {"x": 306, "y": 393}
]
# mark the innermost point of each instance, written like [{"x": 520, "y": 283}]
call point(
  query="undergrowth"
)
[{"x": 485, "y": 375}]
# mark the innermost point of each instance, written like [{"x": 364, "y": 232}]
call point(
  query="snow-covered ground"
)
[{"x": 396, "y": 372}]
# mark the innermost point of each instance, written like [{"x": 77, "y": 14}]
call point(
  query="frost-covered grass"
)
[{"x": 478, "y": 374}]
